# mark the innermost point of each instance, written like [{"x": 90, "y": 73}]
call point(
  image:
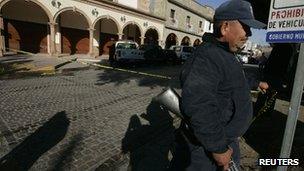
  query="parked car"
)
[
  {"x": 171, "y": 57},
  {"x": 153, "y": 53},
  {"x": 182, "y": 52},
  {"x": 127, "y": 51}
]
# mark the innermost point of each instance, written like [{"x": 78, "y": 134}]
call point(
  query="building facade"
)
[
  {"x": 186, "y": 22},
  {"x": 90, "y": 26}
]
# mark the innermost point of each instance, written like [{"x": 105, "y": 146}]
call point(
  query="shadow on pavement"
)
[
  {"x": 265, "y": 136},
  {"x": 149, "y": 145},
  {"x": 145, "y": 79},
  {"x": 26, "y": 153},
  {"x": 65, "y": 157}
]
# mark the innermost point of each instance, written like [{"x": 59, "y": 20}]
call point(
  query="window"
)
[
  {"x": 188, "y": 20},
  {"x": 172, "y": 13},
  {"x": 200, "y": 24}
]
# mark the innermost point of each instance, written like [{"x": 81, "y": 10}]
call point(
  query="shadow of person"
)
[
  {"x": 25, "y": 154},
  {"x": 149, "y": 145},
  {"x": 181, "y": 153},
  {"x": 65, "y": 156}
]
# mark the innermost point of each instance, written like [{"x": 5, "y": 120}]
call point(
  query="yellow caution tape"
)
[{"x": 129, "y": 71}]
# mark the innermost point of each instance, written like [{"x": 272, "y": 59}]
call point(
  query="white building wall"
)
[
  {"x": 130, "y": 3},
  {"x": 93, "y": 12},
  {"x": 180, "y": 36},
  {"x": 208, "y": 26},
  {"x": 87, "y": 10},
  {"x": 180, "y": 24}
]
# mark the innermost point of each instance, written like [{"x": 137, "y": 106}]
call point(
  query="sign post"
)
[
  {"x": 286, "y": 25},
  {"x": 294, "y": 108}
]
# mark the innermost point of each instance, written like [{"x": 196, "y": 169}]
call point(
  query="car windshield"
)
[
  {"x": 177, "y": 49},
  {"x": 149, "y": 47},
  {"x": 188, "y": 49},
  {"x": 126, "y": 46}
]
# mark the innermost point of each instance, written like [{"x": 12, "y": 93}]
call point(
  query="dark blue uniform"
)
[{"x": 216, "y": 98}]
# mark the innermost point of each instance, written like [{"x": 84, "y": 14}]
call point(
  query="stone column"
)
[
  {"x": 58, "y": 42},
  {"x": 51, "y": 42},
  {"x": 2, "y": 40},
  {"x": 142, "y": 40},
  {"x": 120, "y": 36},
  {"x": 91, "y": 31},
  {"x": 161, "y": 43},
  {"x": 96, "y": 40}
]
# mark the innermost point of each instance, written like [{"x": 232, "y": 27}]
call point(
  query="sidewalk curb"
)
[
  {"x": 72, "y": 69},
  {"x": 61, "y": 64},
  {"x": 62, "y": 70}
]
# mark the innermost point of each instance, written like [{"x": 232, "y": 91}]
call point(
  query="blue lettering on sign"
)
[{"x": 285, "y": 37}]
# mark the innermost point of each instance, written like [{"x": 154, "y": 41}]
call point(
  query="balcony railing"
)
[
  {"x": 173, "y": 22},
  {"x": 189, "y": 27},
  {"x": 200, "y": 30}
]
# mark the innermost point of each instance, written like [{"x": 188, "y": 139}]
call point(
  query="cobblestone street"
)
[
  {"x": 100, "y": 119},
  {"x": 74, "y": 121}
]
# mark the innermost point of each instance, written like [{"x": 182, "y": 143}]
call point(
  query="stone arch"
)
[
  {"x": 196, "y": 42},
  {"x": 186, "y": 41},
  {"x": 74, "y": 34},
  {"x": 72, "y": 9},
  {"x": 20, "y": 33},
  {"x": 105, "y": 35},
  {"x": 171, "y": 40},
  {"x": 132, "y": 22},
  {"x": 45, "y": 9},
  {"x": 151, "y": 36},
  {"x": 154, "y": 28},
  {"x": 108, "y": 17},
  {"x": 137, "y": 36}
]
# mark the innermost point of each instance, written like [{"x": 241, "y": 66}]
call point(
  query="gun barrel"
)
[{"x": 170, "y": 100}]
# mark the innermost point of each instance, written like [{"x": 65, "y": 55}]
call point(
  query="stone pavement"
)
[
  {"x": 82, "y": 120},
  {"x": 98, "y": 119}
]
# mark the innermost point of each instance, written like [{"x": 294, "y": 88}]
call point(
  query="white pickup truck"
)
[{"x": 127, "y": 51}]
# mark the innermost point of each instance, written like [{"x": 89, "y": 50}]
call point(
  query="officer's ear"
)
[{"x": 224, "y": 28}]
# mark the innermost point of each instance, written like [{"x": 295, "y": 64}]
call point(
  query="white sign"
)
[
  {"x": 130, "y": 3},
  {"x": 286, "y": 21},
  {"x": 287, "y": 3}
]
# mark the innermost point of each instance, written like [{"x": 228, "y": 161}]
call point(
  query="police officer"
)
[{"x": 215, "y": 93}]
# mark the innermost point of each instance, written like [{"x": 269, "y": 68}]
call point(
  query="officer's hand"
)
[
  {"x": 223, "y": 159},
  {"x": 263, "y": 86}
]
